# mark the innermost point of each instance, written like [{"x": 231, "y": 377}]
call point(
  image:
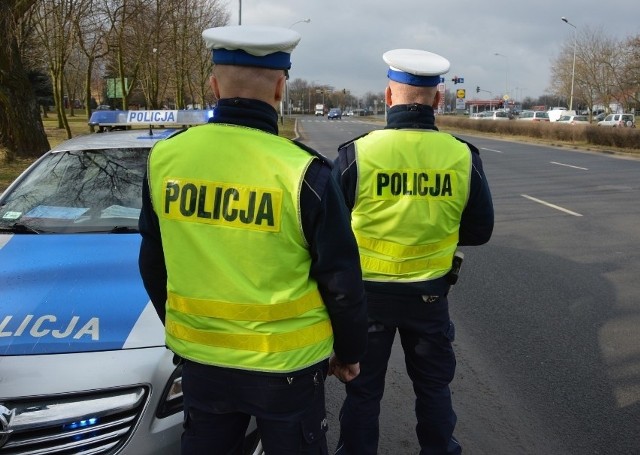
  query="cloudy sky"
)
[{"x": 342, "y": 45}]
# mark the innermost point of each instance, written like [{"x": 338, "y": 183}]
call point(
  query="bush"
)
[{"x": 623, "y": 139}]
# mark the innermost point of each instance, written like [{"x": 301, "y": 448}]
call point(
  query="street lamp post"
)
[
  {"x": 573, "y": 69},
  {"x": 306, "y": 21},
  {"x": 506, "y": 86}
]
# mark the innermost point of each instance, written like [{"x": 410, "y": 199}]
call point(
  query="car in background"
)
[
  {"x": 476, "y": 116},
  {"x": 599, "y": 117},
  {"x": 533, "y": 116},
  {"x": 618, "y": 120},
  {"x": 334, "y": 113},
  {"x": 574, "y": 119},
  {"x": 556, "y": 112},
  {"x": 495, "y": 115},
  {"x": 84, "y": 367}
]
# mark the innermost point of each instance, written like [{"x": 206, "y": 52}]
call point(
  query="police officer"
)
[
  {"x": 415, "y": 194},
  {"x": 250, "y": 261}
]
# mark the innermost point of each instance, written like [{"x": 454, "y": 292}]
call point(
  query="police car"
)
[{"x": 83, "y": 364}]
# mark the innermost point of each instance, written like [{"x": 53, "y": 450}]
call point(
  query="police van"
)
[{"x": 83, "y": 364}]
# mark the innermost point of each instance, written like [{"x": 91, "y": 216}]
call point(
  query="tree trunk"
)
[{"x": 21, "y": 129}]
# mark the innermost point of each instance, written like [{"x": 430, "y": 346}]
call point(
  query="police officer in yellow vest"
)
[
  {"x": 250, "y": 261},
  {"x": 415, "y": 194}
]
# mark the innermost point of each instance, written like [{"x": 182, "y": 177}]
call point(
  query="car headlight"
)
[{"x": 171, "y": 400}]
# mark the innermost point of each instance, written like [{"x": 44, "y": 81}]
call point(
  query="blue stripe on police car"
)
[{"x": 69, "y": 293}]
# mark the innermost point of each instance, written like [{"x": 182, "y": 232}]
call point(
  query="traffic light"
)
[
  {"x": 478, "y": 89},
  {"x": 455, "y": 79}
]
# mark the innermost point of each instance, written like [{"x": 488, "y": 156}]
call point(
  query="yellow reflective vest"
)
[
  {"x": 412, "y": 188},
  {"x": 239, "y": 291}
]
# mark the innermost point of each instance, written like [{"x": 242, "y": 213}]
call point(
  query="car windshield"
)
[{"x": 77, "y": 191}]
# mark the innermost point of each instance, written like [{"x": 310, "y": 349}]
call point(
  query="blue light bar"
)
[{"x": 160, "y": 117}]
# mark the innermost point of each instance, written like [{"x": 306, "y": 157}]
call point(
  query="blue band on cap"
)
[
  {"x": 277, "y": 60},
  {"x": 412, "y": 79}
]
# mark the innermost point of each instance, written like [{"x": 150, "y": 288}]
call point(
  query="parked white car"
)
[
  {"x": 533, "y": 116},
  {"x": 495, "y": 115},
  {"x": 618, "y": 120},
  {"x": 574, "y": 119}
]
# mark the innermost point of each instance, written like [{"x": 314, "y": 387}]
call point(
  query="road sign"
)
[{"x": 460, "y": 93}]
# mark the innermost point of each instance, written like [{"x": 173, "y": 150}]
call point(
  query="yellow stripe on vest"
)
[
  {"x": 245, "y": 311},
  {"x": 402, "y": 251},
  {"x": 401, "y": 268},
  {"x": 273, "y": 342}
]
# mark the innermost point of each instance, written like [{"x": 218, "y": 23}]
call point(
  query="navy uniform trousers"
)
[
  {"x": 426, "y": 333},
  {"x": 219, "y": 402}
]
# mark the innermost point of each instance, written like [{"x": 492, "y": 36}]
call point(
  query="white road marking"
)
[
  {"x": 553, "y": 206},
  {"x": 569, "y": 165},
  {"x": 491, "y": 150}
]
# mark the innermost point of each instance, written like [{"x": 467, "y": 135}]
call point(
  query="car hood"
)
[{"x": 73, "y": 293}]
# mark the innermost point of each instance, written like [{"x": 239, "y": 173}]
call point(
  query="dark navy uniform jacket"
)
[
  {"x": 325, "y": 222},
  {"x": 476, "y": 225}
]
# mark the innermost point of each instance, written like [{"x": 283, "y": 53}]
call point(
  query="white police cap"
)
[
  {"x": 415, "y": 67},
  {"x": 252, "y": 45}
]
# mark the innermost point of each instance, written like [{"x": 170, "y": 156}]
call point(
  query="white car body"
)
[
  {"x": 533, "y": 116},
  {"x": 618, "y": 120},
  {"x": 574, "y": 119},
  {"x": 556, "y": 112},
  {"x": 495, "y": 115}
]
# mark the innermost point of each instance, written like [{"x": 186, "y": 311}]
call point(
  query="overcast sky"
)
[{"x": 342, "y": 45}]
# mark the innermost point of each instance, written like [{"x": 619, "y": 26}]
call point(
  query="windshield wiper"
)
[
  {"x": 19, "y": 228},
  {"x": 123, "y": 230}
]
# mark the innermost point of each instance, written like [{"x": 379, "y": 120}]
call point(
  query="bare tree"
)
[
  {"x": 631, "y": 70},
  {"x": 54, "y": 21},
  {"x": 128, "y": 39},
  {"x": 298, "y": 93},
  {"x": 91, "y": 30},
  {"x": 153, "y": 65},
  {"x": 21, "y": 129},
  {"x": 205, "y": 14},
  {"x": 74, "y": 78},
  {"x": 599, "y": 68}
]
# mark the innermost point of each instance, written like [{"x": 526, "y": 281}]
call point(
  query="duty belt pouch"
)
[{"x": 456, "y": 264}]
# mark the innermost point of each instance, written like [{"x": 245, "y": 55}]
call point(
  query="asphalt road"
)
[{"x": 547, "y": 313}]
